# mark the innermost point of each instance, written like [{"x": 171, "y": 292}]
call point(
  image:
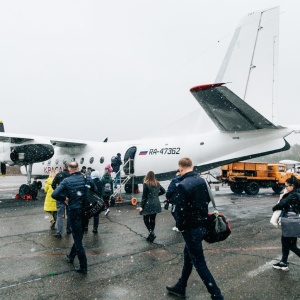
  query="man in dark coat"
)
[
  {"x": 61, "y": 207},
  {"x": 192, "y": 199},
  {"x": 74, "y": 188},
  {"x": 115, "y": 164}
]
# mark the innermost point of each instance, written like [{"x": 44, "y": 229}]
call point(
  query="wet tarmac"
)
[{"x": 123, "y": 265}]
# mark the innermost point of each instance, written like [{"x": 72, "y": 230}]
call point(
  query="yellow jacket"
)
[{"x": 50, "y": 203}]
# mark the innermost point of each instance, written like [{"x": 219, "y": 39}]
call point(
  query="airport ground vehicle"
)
[{"x": 251, "y": 176}]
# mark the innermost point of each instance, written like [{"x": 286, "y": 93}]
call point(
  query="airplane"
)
[{"x": 241, "y": 133}]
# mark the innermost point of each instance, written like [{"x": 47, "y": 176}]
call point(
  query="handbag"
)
[
  {"x": 291, "y": 225},
  {"x": 93, "y": 204},
  {"x": 217, "y": 226}
]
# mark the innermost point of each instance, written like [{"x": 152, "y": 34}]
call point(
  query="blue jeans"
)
[
  {"x": 60, "y": 212},
  {"x": 77, "y": 233},
  {"x": 117, "y": 179},
  {"x": 193, "y": 255}
]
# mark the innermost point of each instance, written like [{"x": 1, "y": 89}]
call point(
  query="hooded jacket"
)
[{"x": 50, "y": 203}]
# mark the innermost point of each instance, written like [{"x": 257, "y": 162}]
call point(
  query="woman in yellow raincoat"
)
[{"x": 50, "y": 203}]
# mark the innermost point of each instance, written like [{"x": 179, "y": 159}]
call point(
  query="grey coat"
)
[{"x": 150, "y": 201}]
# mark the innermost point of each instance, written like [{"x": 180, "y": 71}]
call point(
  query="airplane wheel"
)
[
  {"x": 128, "y": 188},
  {"x": 252, "y": 188},
  {"x": 133, "y": 201},
  {"x": 33, "y": 190},
  {"x": 24, "y": 190}
]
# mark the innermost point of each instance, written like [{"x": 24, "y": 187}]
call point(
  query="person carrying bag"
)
[{"x": 290, "y": 221}]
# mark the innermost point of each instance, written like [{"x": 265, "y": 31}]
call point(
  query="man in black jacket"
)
[
  {"x": 115, "y": 164},
  {"x": 74, "y": 188},
  {"x": 192, "y": 199}
]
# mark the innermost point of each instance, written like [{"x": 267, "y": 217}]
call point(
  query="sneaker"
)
[
  {"x": 95, "y": 231},
  {"x": 175, "y": 229},
  {"x": 281, "y": 266},
  {"x": 177, "y": 290},
  {"x": 57, "y": 235},
  {"x": 107, "y": 212}
]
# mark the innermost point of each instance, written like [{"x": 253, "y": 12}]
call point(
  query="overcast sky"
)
[{"x": 123, "y": 69}]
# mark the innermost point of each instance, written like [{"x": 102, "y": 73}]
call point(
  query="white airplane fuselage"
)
[{"x": 161, "y": 155}]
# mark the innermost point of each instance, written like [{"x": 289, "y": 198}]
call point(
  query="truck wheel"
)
[
  {"x": 237, "y": 188},
  {"x": 277, "y": 188},
  {"x": 252, "y": 188}
]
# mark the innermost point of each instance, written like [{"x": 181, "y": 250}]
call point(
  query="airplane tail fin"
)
[
  {"x": 1, "y": 126},
  {"x": 228, "y": 111}
]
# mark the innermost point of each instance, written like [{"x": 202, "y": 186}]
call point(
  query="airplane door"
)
[{"x": 129, "y": 161}]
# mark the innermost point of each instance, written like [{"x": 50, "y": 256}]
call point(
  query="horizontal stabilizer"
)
[{"x": 227, "y": 110}]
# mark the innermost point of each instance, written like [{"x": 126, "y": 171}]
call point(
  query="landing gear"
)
[
  {"x": 29, "y": 189},
  {"x": 128, "y": 187}
]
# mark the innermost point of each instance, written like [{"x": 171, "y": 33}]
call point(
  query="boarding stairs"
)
[{"x": 122, "y": 182}]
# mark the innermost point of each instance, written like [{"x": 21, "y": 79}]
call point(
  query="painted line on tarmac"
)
[
  {"x": 19, "y": 283},
  {"x": 268, "y": 265}
]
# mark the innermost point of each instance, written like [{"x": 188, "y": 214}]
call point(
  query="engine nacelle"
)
[{"x": 31, "y": 153}]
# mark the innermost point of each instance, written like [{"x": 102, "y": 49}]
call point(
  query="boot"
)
[
  {"x": 151, "y": 237},
  {"x": 177, "y": 290}
]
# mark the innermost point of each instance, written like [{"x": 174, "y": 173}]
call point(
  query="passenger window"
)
[
  {"x": 91, "y": 160},
  {"x": 101, "y": 160}
]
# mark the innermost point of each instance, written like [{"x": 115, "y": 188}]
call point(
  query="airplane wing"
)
[
  {"x": 227, "y": 110},
  {"x": 67, "y": 144},
  {"x": 14, "y": 139}
]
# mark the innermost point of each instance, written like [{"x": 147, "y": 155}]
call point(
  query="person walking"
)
[
  {"x": 170, "y": 195},
  {"x": 115, "y": 164},
  {"x": 72, "y": 191},
  {"x": 150, "y": 205},
  {"x": 107, "y": 186},
  {"x": 192, "y": 199},
  {"x": 290, "y": 202},
  {"x": 95, "y": 175},
  {"x": 61, "y": 207},
  {"x": 50, "y": 203}
]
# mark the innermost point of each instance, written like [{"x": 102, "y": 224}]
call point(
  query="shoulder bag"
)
[
  {"x": 93, "y": 204},
  {"x": 217, "y": 225},
  {"x": 290, "y": 225}
]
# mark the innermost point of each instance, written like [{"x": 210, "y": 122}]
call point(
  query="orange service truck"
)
[{"x": 251, "y": 176}]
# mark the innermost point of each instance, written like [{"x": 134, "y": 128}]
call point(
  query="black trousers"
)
[
  {"x": 149, "y": 221},
  {"x": 289, "y": 243}
]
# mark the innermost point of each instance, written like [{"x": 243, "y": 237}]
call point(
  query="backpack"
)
[
  {"x": 113, "y": 161},
  {"x": 107, "y": 188}
]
